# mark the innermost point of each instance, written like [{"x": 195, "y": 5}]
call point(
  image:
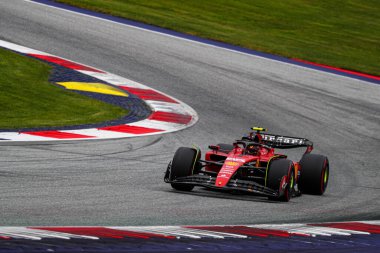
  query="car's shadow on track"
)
[{"x": 210, "y": 193}]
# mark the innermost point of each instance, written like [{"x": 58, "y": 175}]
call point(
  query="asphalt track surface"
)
[{"x": 120, "y": 182}]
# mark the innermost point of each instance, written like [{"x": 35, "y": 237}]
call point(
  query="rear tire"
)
[
  {"x": 182, "y": 166},
  {"x": 314, "y": 174},
  {"x": 226, "y": 148},
  {"x": 276, "y": 171}
]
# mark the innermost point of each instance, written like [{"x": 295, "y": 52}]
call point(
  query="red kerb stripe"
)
[
  {"x": 148, "y": 94},
  {"x": 58, "y": 135},
  {"x": 358, "y": 226},
  {"x": 171, "y": 117},
  {"x": 131, "y": 129},
  {"x": 103, "y": 232},
  {"x": 64, "y": 63},
  {"x": 243, "y": 230},
  {"x": 338, "y": 69}
]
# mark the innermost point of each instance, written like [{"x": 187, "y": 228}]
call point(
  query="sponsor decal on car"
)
[
  {"x": 235, "y": 159},
  {"x": 283, "y": 139},
  {"x": 230, "y": 163}
]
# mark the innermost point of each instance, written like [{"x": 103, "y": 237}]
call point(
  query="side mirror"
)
[{"x": 214, "y": 147}]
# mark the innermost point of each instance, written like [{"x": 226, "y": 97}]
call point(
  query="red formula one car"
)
[{"x": 251, "y": 165}]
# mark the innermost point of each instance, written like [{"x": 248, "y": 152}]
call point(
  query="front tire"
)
[
  {"x": 278, "y": 171},
  {"x": 182, "y": 166},
  {"x": 314, "y": 174}
]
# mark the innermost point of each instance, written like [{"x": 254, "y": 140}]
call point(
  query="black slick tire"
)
[
  {"x": 275, "y": 174},
  {"x": 182, "y": 166},
  {"x": 314, "y": 174}
]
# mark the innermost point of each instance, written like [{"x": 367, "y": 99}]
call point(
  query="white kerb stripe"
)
[
  {"x": 101, "y": 133},
  {"x": 160, "y": 106},
  {"x": 20, "y": 49},
  {"x": 167, "y": 126},
  {"x": 310, "y": 230},
  {"x": 14, "y": 136},
  {"x": 114, "y": 79}
]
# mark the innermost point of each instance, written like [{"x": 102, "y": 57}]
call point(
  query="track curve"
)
[
  {"x": 121, "y": 182},
  {"x": 150, "y": 111}
]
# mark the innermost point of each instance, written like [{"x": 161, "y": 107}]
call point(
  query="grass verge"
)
[
  {"x": 340, "y": 33},
  {"x": 28, "y": 100}
]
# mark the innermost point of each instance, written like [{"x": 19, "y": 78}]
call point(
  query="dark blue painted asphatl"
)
[
  {"x": 138, "y": 110},
  {"x": 63, "y": 74},
  {"x": 333, "y": 244},
  {"x": 356, "y": 75}
]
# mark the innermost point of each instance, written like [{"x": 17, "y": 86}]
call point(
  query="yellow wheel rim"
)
[
  {"x": 326, "y": 175},
  {"x": 291, "y": 181}
]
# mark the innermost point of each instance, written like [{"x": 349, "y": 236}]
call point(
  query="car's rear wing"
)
[
  {"x": 278, "y": 141},
  {"x": 284, "y": 142}
]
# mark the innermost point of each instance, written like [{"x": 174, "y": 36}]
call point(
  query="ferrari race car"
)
[{"x": 251, "y": 165}]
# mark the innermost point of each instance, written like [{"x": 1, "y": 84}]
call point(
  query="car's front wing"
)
[{"x": 234, "y": 184}]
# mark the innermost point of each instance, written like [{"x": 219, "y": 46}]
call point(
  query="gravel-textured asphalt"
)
[{"x": 120, "y": 182}]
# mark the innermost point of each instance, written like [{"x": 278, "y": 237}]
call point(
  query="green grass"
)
[
  {"x": 28, "y": 100},
  {"x": 341, "y": 33}
]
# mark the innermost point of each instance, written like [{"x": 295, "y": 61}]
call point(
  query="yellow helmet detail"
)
[{"x": 259, "y": 129}]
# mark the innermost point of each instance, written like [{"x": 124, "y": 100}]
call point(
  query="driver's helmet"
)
[{"x": 252, "y": 149}]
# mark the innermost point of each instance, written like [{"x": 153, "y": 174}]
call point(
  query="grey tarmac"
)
[{"x": 120, "y": 182}]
